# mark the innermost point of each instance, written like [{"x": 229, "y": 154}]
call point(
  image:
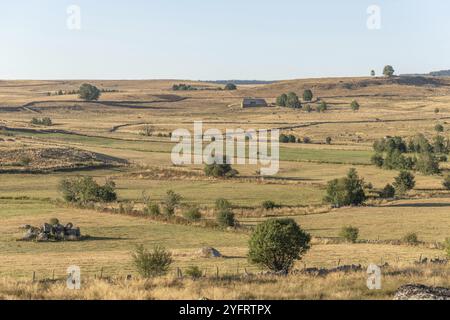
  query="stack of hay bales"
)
[{"x": 52, "y": 231}]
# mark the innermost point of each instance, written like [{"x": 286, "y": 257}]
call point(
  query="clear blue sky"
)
[{"x": 220, "y": 39}]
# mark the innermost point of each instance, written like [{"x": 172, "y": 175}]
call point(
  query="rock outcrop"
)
[
  {"x": 421, "y": 292},
  {"x": 53, "y": 231}
]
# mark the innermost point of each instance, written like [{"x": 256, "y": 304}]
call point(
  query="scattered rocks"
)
[
  {"x": 51, "y": 232},
  {"x": 431, "y": 261},
  {"x": 323, "y": 272},
  {"x": 208, "y": 252},
  {"x": 421, "y": 292}
]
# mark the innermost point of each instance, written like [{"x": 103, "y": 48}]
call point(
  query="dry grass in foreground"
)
[{"x": 340, "y": 286}]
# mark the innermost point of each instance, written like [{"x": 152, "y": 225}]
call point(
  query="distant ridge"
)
[
  {"x": 242, "y": 81},
  {"x": 441, "y": 73}
]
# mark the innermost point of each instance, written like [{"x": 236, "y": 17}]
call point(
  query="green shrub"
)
[
  {"x": 322, "y": 107},
  {"x": 170, "y": 202},
  {"x": 439, "y": 128},
  {"x": 404, "y": 182},
  {"x": 447, "y": 246},
  {"x": 293, "y": 101},
  {"x": 377, "y": 160},
  {"x": 277, "y": 244},
  {"x": 281, "y": 100},
  {"x": 328, "y": 140},
  {"x": 307, "y": 95},
  {"x": 193, "y": 214},
  {"x": 411, "y": 239},
  {"x": 269, "y": 205},
  {"x": 346, "y": 191},
  {"x": 230, "y": 86},
  {"x": 355, "y": 105},
  {"x": 194, "y": 272},
  {"x": 151, "y": 264},
  {"x": 85, "y": 189},
  {"x": 89, "y": 92},
  {"x": 226, "y": 218},
  {"x": 446, "y": 182},
  {"x": 223, "y": 204},
  {"x": 220, "y": 170},
  {"x": 152, "y": 209},
  {"x": 349, "y": 233},
  {"x": 388, "y": 192}
]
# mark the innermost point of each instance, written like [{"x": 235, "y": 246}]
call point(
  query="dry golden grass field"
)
[{"x": 104, "y": 139}]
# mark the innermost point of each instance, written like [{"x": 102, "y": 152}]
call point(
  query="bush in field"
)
[
  {"x": 346, "y": 191},
  {"x": 225, "y": 218},
  {"x": 427, "y": 164},
  {"x": 170, "y": 202},
  {"x": 223, "y": 204},
  {"x": 307, "y": 95},
  {"x": 306, "y": 140},
  {"x": 328, "y": 140},
  {"x": 85, "y": 189},
  {"x": 404, "y": 182},
  {"x": 194, "y": 272},
  {"x": 308, "y": 108},
  {"x": 281, "y": 100},
  {"x": 193, "y": 214},
  {"x": 230, "y": 86},
  {"x": 42, "y": 122},
  {"x": 388, "y": 192},
  {"x": 388, "y": 71},
  {"x": 220, "y": 170},
  {"x": 439, "y": 128},
  {"x": 447, "y": 246},
  {"x": 277, "y": 244},
  {"x": 293, "y": 101},
  {"x": 377, "y": 159},
  {"x": 411, "y": 239},
  {"x": 152, "y": 264},
  {"x": 322, "y": 107},
  {"x": 440, "y": 145},
  {"x": 349, "y": 233},
  {"x": 269, "y": 205},
  {"x": 152, "y": 209},
  {"x": 446, "y": 182},
  {"x": 355, "y": 105},
  {"x": 89, "y": 92}
]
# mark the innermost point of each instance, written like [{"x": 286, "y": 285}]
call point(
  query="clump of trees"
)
[
  {"x": 83, "y": 190},
  {"x": 277, "y": 244},
  {"x": 42, "y": 122},
  {"x": 346, "y": 191},
  {"x": 220, "y": 170},
  {"x": 153, "y": 263},
  {"x": 289, "y": 100},
  {"x": 183, "y": 87},
  {"x": 391, "y": 154},
  {"x": 284, "y": 138},
  {"x": 89, "y": 92}
]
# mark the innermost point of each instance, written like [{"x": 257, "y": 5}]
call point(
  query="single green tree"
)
[
  {"x": 307, "y": 95},
  {"x": 277, "y": 244},
  {"x": 388, "y": 71},
  {"x": 89, "y": 92}
]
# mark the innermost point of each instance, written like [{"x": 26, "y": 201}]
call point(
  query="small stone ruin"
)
[{"x": 52, "y": 231}]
